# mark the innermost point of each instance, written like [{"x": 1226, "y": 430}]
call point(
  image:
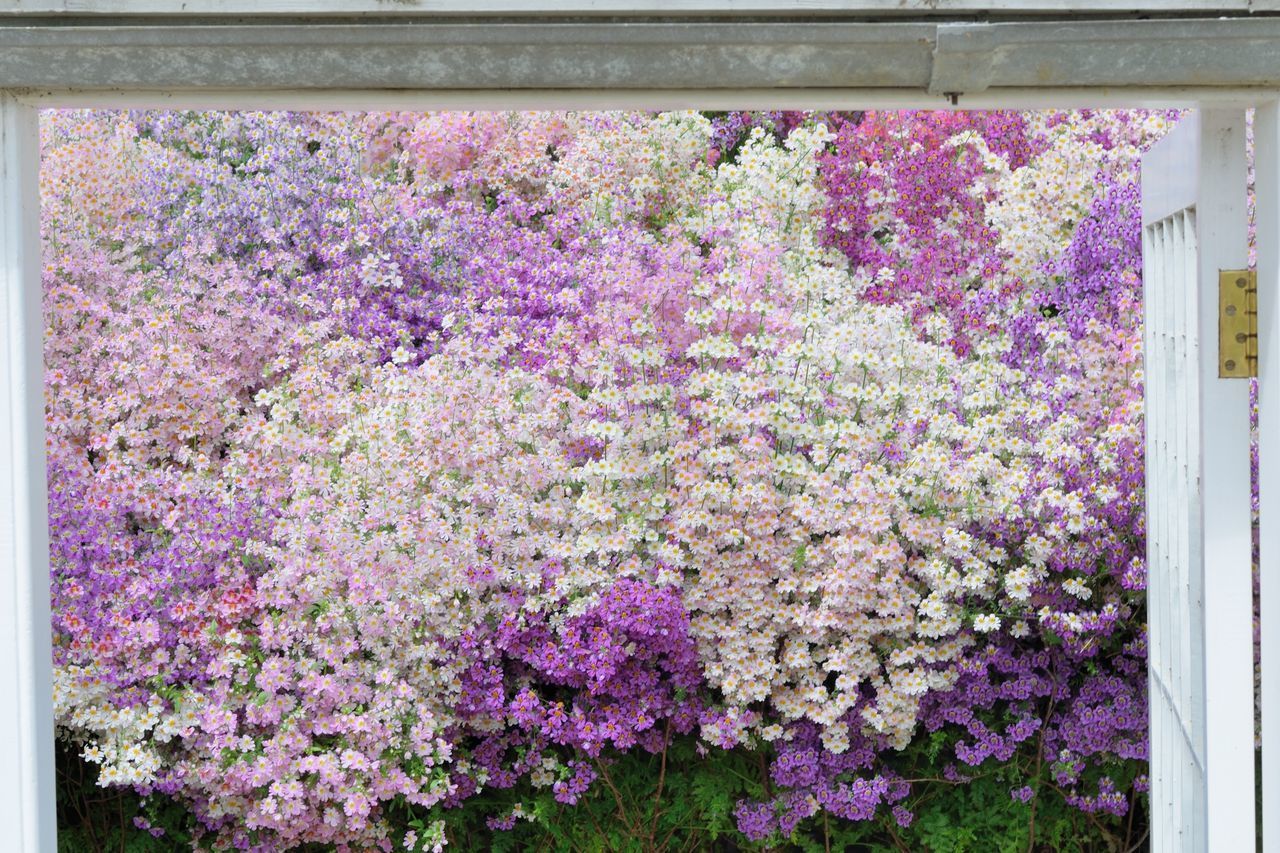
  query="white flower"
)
[
  {"x": 771, "y": 732},
  {"x": 836, "y": 738},
  {"x": 1018, "y": 583},
  {"x": 986, "y": 623},
  {"x": 1076, "y": 587}
]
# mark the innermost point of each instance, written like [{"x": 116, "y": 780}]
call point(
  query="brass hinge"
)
[{"x": 1237, "y": 323}]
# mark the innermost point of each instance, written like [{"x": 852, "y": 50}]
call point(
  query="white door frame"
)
[
  {"x": 26, "y": 719},
  {"x": 1199, "y": 529},
  {"x": 26, "y": 655}
]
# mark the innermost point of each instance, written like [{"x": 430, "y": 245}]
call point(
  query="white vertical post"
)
[
  {"x": 1199, "y": 544},
  {"x": 27, "y": 816},
  {"x": 1266, "y": 148},
  {"x": 1227, "y": 550}
]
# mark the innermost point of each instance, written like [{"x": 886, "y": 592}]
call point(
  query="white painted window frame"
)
[{"x": 26, "y": 718}]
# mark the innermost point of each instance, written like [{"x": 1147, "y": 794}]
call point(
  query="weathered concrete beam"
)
[
  {"x": 470, "y": 56},
  {"x": 974, "y": 57},
  {"x": 434, "y": 55},
  {"x": 543, "y": 9}
]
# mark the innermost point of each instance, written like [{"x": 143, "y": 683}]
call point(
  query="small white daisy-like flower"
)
[
  {"x": 1076, "y": 587},
  {"x": 986, "y": 623},
  {"x": 771, "y": 732}
]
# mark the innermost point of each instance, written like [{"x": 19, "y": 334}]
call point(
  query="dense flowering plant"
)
[{"x": 408, "y": 465}]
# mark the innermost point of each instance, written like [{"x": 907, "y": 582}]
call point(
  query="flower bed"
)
[{"x": 621, "y": 479}]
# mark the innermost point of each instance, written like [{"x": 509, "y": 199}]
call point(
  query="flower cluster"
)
[{"x": 400, "y": 458}]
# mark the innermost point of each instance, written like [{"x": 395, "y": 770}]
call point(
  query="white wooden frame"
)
[
  {"x": 924, "y": 53},
  {"x": 26, "y": 676},
  {"x": 1198, "y": 514}
]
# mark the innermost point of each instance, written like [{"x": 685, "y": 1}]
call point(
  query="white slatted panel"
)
[
  {"x": 1177, "y": 705},
  {"x": 1198, "y": 551}
]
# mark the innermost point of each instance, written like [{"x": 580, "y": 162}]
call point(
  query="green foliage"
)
[
  {"x": 979, "y": 816},
  {"x": 645, "y": 803},
  {"x": 636, "y": 805},
  {"x": 92, "y": 819}
]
